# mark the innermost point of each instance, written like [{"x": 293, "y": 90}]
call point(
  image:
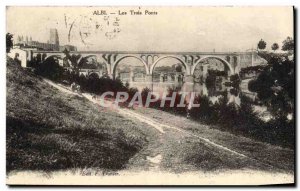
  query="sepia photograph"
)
[{"x": 150, "y": 95}]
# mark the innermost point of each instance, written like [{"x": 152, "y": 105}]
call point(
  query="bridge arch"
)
[
  {"x": 216, "y": 57},
  {"x": 85, "y": 57},
  {"x": 59, "y": 56},
  {"x": 128, "y": 56},
  {"x": 98, "y": 59},
  {"x": 163, "y": 57}
]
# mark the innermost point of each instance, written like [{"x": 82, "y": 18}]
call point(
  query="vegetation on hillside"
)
[
  {"x": 48, "y": 130},
  {"x": 275, "y": 85}
]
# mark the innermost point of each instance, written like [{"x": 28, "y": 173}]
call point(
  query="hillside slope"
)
[{"x": 48, "y": 130}]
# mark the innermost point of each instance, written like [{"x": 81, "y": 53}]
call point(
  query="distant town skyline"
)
[
  {"x": 206, "y": 28},
  {"x": 52, "y": 43}
]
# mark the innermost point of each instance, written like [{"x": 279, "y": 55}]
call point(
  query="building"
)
[
  {"x": 52, "y": 45},
  {"x": 20, "y": 55}
]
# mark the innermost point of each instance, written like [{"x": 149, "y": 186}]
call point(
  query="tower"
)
[{"x": 54, "y": 37}]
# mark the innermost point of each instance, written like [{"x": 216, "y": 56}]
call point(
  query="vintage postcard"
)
[{"x": 150, "y": 95}]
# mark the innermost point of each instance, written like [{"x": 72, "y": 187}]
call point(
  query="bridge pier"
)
[
  {"x": 161, "y": 77},
  {"x": 189, "y": 78},
  {"x": 148, "y": 78}
]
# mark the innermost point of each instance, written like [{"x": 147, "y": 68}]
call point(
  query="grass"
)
[
  {"x": 208, "y": 158},
  {"x": 48, "y": 130}
]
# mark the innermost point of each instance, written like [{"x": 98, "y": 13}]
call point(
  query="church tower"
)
[{"x": 54, "y": 37}]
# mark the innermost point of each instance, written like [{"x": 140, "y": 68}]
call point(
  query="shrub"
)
[{"x": 50, "y": 69}]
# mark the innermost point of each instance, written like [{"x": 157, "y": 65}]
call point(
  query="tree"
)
[
  {"x": 9, "y": 42},
  {"x": 235, "y": 80},
  {"x": 50, "y": 68},
  {"x": 275, "y": 46},
  {"x": 178, "y": 68},
  {"x": 288, "y": 45},
  {"x": 275, "y": 86},
  {"x": 74, "y": 60},
  {"x": 261, "y": 44}
]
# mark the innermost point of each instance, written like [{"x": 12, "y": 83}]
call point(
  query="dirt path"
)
[
  {"x": 180, "y": 145},
  {"x": 270, "y": 156}
]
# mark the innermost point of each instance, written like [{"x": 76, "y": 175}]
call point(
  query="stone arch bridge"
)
[{"x": 233, "y": 61}]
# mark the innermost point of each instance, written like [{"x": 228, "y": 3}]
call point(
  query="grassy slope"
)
[
  {"x": 48, "y": 130},
  {"x": 282, "y": 158}
]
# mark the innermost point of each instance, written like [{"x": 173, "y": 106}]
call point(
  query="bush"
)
[
  {"x": 210, "y": 80},
  {"x": 50, "y": 69},
  {"x": 95, "y": 85},
  {"x": 131, "y": 92}
]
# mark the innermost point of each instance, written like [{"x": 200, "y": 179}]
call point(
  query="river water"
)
[{"x": 213, "y": 93}]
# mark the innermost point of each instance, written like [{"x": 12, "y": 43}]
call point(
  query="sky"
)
[{"x": 174, "y": 29}]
